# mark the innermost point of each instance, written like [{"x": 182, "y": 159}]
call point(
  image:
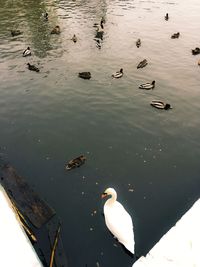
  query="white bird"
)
[
  {"x": 118, "y": 220},
  {"x": 27, "y": 52}
]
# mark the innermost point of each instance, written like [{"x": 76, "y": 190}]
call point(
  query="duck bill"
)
[{"x": 103, "y": 195}]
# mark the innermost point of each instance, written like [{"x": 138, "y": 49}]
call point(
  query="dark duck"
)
[
  {"x": 175, "y": 35},
  {"x": 85, "y": 75},
  {"x": 77, "y": 162},
  {"x": 32, "y": 67},
  {"x": 16, "y": 32}
]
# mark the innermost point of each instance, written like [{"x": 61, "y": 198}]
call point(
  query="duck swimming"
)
[
  {"x": 45, "y": 15},
  {"x": 138, "y": 43},
  {"x": 196, "y": 51},
  {"x": 32, "y": 67},
  {"x": 160, "y": 104},
  {"x": 77, "y": 162},
  {"x": 147, "y": 86},
  {"x": 175, "y": 35},
  {"x": 85, "y": 75},
  {"x": 16, "y": 32},
  {"x": 142, "y": 64},
  {"x": 118, "y": 74},
  {"x": 118, "y": 220},
  {"x": 74, "y": 38},
  {"x": 27, "y": 52},
  {"x": 56, "y": 30},
  {"x": 166, "y": 16}
]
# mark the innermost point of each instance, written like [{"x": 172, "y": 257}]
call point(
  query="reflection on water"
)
[{"x": 50, "y": 117}]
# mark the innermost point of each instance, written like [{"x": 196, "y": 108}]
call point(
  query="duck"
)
[
  {"x": 196, "y": 51},
  {"x": 118, "y": 74},
  {"x": 147, "y": 86},
  {"x": 56, "y": 30},
  {"x": 175, "y": 35},
  {"x": 32, "y": 67},
  {"x": 15, "y": 32},
  {"x": 85, "y": 75},
  {"x": 27, "y": 52},
  {"x": 166, "y": 16},
  {"x": 98, "y": 43},
  {"x": 74, "y": 38},
  {"x": 118, "y": 220},
  {"x": 160, "y": 104},
  {"x": 77, "y": 162},
  {"x": 142, "y": 64},
  {"x": 138, "y": 43},
  {"x": 45, "y": 15}
]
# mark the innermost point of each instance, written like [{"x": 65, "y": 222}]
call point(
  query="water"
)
[{"x": 50, "y": 117}]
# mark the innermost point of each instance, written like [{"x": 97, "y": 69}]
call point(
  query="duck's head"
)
[
  {"x": 121, "y": 70},
  {"x": 153, "y": 83},
  {"x": 28, "y": 47},
  {"x": 109, "y": 192},
  {"x": 167, "y": 106}
]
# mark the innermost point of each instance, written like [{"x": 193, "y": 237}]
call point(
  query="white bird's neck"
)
[{"x": 112, "y": 200}]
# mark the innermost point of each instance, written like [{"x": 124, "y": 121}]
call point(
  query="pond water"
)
[{"x": 150, "y": 156}]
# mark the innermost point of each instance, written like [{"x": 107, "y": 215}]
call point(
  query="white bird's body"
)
[{"x": 118, "y": 221}]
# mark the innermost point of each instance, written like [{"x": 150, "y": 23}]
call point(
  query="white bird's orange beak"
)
[{"x": 103, "y": 195}]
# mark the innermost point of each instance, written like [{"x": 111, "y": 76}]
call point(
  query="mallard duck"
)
[
  {"x": 77, "y": 162},
  {"x": 175, "y": 35},
  {"x": 27, "y": 52},
  {"x": 142, "y": 64},
  {"x": 160, "y": 104},
  {"x": 166, "y": 16},
  {"x": 118, "y": 220},
  {"x": 16, "y": 32},
  {"x": 74, "y": 38},
  {"x": 56, "y": 30},
  {"x": 196, "y": 51},
  {"x": 147, "y": 86},
  {"x": 85, "y": 75},
  {"x": 118, "y": 74},
  {"x": 138, "y": 43},
  {"x": 32, "y": 67}
]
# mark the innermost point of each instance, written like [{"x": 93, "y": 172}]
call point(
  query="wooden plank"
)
[{"x": 25, "y": 199}]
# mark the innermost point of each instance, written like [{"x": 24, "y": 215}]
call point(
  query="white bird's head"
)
[{"x": 109, "y": 192}]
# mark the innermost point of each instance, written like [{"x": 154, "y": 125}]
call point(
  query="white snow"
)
[
  {"x": 180, "y": 246},
  {"x": 15, "y": 248}
]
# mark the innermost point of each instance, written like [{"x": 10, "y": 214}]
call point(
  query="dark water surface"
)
[{"x": 47, "y": 118}]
